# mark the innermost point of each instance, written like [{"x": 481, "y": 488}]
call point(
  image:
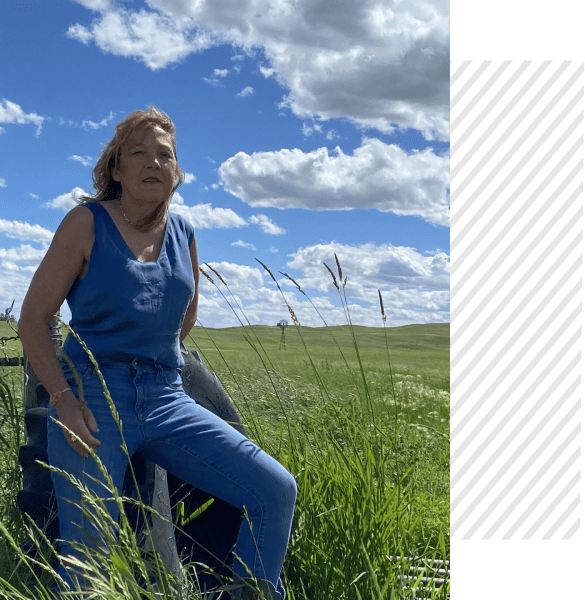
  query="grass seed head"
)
[
  {"x": 289, "y": 277},
  {"x": 270, "y": 273},
  {"x": 332, "y": 275},
  {"x": 339, "y": 268},
  {"x": 218, "y": 275},
  {"x": 382, "y": 306},
  {"x": 292, "y": 315},
  {"x": 206, "y": 275}
]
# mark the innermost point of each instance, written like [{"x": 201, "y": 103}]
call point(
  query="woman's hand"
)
[{"x": 80, "y": 420}]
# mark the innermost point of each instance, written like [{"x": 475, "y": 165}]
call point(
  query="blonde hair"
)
[{"x": 106, "y": 187}]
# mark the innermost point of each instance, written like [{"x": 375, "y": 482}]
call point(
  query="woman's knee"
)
[{"x": 284, "y": 491}]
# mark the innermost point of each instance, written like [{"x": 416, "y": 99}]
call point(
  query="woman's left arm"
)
[{"x": 191, "y": 314}]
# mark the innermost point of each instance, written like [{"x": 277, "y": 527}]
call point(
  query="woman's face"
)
[{"x": 147, "y": 169}]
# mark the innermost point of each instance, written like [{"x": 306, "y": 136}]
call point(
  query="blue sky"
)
[{"x": 308, "y": 128}]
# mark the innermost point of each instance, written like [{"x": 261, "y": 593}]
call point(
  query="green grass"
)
[{"x": 359, "y": 415}]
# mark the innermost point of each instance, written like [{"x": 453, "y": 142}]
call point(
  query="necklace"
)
[{"x": 124, "y": 215}]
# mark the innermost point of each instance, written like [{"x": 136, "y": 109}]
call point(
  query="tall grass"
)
[{"x": 367, "y": 446}]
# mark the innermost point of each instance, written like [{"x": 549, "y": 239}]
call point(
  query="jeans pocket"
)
[
  {"x": 77, "y": 376},
  {"x": 173, "y": 377}
]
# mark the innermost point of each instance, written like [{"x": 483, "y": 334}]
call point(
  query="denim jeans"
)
[{"x": 173, "y": 431}]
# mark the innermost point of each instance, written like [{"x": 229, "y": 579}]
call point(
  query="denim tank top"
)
[{"x": 124, "y": 309}]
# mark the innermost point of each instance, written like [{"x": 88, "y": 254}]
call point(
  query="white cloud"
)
[
  {"x": 2, "y": 182},
  {"x": 86, "y": 161},
  {"x": 415, "y": 288},
  {"x": 66, "y": 201},
  {"x": 213, "y": 81},
  {"x": 246, "y": 280},
  {"x": 266, "y": 224},
  {"x": 35, "y": 196},
  {"x": 371, "y": 267},
  {"x": 204, "y": 216},
  {"x": 242, "y": 244},
  {"x": 25, "y": 253},
  {"x": 96, "y": 4},
  {"x": 375, "y": 175},
  {"x": 25, "y": 231},
  {"x": 156, "y": 39},
  {"x": 17, "y": 266},
  {"x": 190, "y": 178},
  {"x": 93, "y": 125},
  {"x": 13, "y": 113},
  {"x": 380, "y": 64},
  {"x": 309, "y": 130},
  {"x": 247, "y": 91},
  {"x": 268, "y": 72},
  {"x": 68, "y": 122}
]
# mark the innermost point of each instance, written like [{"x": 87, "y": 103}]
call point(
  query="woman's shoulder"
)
[
  {"x": 80, "y": 216},
  {"x": 76, "y": 228}
]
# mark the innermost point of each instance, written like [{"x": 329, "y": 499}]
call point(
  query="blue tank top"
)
[{"x": 125, "y": 309}]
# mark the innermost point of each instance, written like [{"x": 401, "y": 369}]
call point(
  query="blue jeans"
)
[{"x": 172, "y": 430}]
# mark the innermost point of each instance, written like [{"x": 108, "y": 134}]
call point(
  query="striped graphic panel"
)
[{"x": 516, "y": 289}]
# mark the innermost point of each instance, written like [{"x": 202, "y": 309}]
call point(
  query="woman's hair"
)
[{"x": 106, "y": 187}]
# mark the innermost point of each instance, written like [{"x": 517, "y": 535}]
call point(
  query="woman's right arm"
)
[{"x": 62, "y": 265}]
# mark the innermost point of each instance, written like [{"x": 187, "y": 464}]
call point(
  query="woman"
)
[{"x": 129, "y": 271}]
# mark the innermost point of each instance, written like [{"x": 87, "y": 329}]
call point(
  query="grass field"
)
[{"x": 359, "y": 415}]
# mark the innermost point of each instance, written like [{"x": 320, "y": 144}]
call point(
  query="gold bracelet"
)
[{"x": 55, "y": 397}]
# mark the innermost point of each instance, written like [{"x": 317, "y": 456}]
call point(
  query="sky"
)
[{"x": 307, "y": 129}]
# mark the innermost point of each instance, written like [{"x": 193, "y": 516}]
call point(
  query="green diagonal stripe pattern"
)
[{"x": 516, "y": 298}]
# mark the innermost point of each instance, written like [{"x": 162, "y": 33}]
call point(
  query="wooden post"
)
[{"x": 34, "y": 392}]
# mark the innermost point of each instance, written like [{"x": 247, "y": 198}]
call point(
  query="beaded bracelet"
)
[{"x": 55, "y": 397}]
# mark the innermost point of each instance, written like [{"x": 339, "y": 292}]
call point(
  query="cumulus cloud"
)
[
  {"x": 152, "y": 37},
  {"x": 415, "y": 288},
  {"x": 372, "y": 267},
  {"x": 381, "y": 64},
  {"x": 247, "y": 91},
  {"x": 24, "y": 253},
  {"x": 266, "y": 224},
  {"x": 18, "y": 264},
  {"x": 11, "y": 113},
  {"x": 25, "y": 231},
  {"x": 2, "y": 182},
  {"x": 242, "y": 244},
  {"x": 375, "y": 175},
  {"x": 66, "y": 201},
  {"x": 204, "y": 216},
  {"x": 190, "y": 178},
  {"x": 215, "y": 79},
  {"x": 86, "y": 161}
]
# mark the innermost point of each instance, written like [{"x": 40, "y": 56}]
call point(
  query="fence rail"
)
[{"x": 428, "y": 572}]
